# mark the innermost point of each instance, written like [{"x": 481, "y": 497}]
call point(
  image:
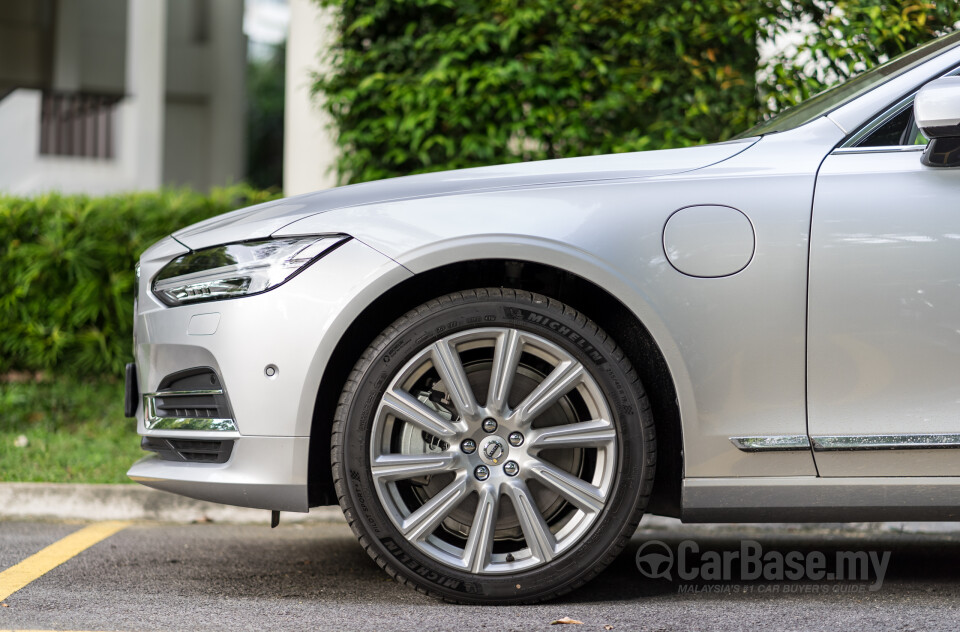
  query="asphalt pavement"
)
[{"x": 314, "y": 576}]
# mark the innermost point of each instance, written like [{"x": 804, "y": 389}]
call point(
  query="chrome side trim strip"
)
[
  {"x": 887, "y": 442},
  {"x": 771, "y": 443}
]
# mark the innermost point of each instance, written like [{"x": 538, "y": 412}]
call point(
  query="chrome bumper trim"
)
[
  {"x": 213, "y": 391},
  {"x": 152, "y": 421}
]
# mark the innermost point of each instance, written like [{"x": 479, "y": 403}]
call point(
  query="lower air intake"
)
[
  {"x": 189, "y": 400},
  {"x": 189, "y": 450}
]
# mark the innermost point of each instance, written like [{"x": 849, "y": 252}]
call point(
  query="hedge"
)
[
  {"x": 67, "y": 272},
  {"x": 425, "y": 85},
  {"x": 422, "y": 85}
]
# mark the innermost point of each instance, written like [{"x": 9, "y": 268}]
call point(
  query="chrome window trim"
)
[
  {"x": 886, "y": 442},
  {"x": 773, "y": 443},
  {"x": 883, "y": 149}
]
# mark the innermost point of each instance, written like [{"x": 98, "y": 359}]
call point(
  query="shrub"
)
[
  {"x": 422, "y": 85},
  {"x": 67, "y": 272}
]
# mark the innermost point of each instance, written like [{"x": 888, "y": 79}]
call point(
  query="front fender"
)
[{"x": 562, "y": 256}]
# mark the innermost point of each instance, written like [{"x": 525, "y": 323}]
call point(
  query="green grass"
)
[{"x": 75, "y": 429}]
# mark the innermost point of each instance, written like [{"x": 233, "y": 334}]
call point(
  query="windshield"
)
[{"x": 831, "y": 99}]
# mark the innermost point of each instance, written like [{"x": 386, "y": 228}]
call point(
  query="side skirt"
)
[{"x": 812, "y": 499}]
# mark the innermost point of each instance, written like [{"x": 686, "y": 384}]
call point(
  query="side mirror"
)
[{"x": 936, "y": 109}]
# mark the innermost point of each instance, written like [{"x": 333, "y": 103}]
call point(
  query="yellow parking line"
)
[{"x": 16, "y": 577}]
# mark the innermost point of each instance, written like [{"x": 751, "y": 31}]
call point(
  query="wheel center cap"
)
[{"x": 493, "y": 450}]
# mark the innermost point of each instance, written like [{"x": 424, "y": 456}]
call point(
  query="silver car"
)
[{"x": 496, "y": 372}]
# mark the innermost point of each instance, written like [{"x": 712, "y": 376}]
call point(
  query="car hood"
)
[{"x": 261, "y": 221}]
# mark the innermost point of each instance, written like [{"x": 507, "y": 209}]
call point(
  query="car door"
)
[{"x": 883, "y": 370}]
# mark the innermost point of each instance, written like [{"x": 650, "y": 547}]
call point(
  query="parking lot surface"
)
[{"x": 315, "y": 576}]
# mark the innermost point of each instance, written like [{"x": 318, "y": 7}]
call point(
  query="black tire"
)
[{"x": 624, "y": 467}]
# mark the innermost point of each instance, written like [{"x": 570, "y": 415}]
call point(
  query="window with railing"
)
[{"x": 78, "y": 124}]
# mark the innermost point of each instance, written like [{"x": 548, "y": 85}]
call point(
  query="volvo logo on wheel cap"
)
[{"x": 493, "y": 450}]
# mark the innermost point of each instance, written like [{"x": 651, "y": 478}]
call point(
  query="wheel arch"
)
[{"x": 518, "y": 273}]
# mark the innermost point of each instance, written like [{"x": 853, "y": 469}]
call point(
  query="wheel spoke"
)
[
  {"x": 542, "y": 543},
  {"x": 410, "y": 409},
  {"x": 585, "y": 434},
  {"x": 581, "y": 493},
  {"x": 561, "y": 380},
  {"x": 392, "y": 467},
  {"x": 476, "y": 553},
  {"x": 506, "y": 358},
  {"x": 424, "y": 520},
  {"x": 446, "y": 361}
]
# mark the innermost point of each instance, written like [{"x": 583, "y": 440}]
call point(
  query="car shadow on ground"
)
[
  {"x": 309, "y": 564},
  {"x": 914, "y": 558}
]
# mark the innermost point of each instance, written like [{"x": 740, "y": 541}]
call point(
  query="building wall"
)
[
  {"x": 24, "y": 172},
  {"x": 90, "y": 46},
  {"x": 186, "y": 150},
  {"x": 26, "y": 34},
  {"x": 180, "y": 66},
  {"x": 186, "y": 127},
  {"x": 309, "y": 150}
]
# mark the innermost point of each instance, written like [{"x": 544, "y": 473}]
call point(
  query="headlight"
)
[{"x": 241, "y": 269}]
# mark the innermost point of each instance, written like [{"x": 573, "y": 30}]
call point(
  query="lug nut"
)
[
  {"x": 515, "y": 439},
  {"x": 489, "y": 425},
  {"x": 469, "y": 446},
  {"x": 510, "y": 468},
  {"x": 482, "y": 472}
]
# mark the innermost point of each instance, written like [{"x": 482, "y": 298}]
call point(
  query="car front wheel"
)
[{"x": 493, "y": 446}]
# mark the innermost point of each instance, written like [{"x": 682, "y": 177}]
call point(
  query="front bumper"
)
[
  {"x": 263, "y": 472},
  {"x": 292, "y": 329}
]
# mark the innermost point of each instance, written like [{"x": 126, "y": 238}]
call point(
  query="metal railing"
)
[{"x": 78, "y": 124}]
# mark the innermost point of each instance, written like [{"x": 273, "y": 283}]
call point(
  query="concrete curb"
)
[{"x": 63, "y": 501}]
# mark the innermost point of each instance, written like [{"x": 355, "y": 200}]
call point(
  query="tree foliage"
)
[
  {"x": 425, "y": 85},
  {"x": 843, "y": 37}
]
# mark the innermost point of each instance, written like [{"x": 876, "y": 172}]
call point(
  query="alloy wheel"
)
[{"x": 493, "y": 450}]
